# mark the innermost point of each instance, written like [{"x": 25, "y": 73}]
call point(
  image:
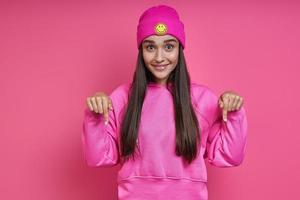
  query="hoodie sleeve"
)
[
  {"x": 100, "y": 141},
  {"x": 226, "y": 141}
]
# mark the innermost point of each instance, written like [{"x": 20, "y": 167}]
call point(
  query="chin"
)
[
  {"x": 160, "y": 78},
  {"x": 160, "y": 75}
]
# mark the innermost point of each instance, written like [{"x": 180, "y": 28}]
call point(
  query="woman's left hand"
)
[{"x": 230, "y": 101}]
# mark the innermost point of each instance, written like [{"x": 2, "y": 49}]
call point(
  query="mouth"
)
[{"x": 160, "y": 67}]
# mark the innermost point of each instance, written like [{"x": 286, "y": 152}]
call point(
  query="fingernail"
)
[
  {"x": 105, "y": 122},
  {"x": 225, "y": 119}
]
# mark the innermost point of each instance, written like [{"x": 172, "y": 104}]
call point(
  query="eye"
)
[
  {"x": 149, "y": 47},
  {"x": 169, "y": 46}
]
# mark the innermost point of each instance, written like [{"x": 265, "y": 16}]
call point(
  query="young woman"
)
[{"x": 161, "y": 126}]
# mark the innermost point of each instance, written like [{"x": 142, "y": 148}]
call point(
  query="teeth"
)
[{"x": 160, "y": 67}]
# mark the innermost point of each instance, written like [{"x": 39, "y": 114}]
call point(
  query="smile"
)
[{"x": 160, "y": 67}]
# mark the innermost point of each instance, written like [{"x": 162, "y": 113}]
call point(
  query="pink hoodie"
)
[{"x": 159, "y": 173}]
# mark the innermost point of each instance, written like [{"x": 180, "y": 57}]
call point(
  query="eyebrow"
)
[{"x": 151, "y": 41}]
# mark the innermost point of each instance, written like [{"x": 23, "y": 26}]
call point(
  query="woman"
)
[{"x": 162, "y": 126}]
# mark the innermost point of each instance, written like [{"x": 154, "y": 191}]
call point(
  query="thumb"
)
[{"x": 225, "y": 108}]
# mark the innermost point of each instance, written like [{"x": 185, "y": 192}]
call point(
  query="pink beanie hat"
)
[{"x": 160, "y": 20}]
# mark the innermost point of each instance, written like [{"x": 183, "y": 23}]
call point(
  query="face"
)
[{"x": 160, "y": 55}]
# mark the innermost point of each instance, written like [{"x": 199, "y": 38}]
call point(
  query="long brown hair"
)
[{"x": 187, "y": 129}]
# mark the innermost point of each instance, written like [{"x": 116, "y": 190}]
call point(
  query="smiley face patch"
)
[{"x": 160, "y": 29}]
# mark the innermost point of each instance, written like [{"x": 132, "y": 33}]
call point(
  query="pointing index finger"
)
[{"x": 225, "y": 108}]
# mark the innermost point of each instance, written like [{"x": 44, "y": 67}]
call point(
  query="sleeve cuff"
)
[{"x": 236, "y": 115}]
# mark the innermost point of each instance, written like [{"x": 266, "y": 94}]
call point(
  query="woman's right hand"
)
[{"x": 100, "y": 103}]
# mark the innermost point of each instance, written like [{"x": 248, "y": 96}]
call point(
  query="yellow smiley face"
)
[{"x": 160, "y": 29}]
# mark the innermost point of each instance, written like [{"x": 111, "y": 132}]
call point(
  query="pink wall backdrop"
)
[{"x": 55, "y": 54}]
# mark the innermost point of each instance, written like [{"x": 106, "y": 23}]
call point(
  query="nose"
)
[{"x": 159, "y": 56}]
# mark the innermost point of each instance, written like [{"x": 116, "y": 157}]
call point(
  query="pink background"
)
[{"x": 55, "y": 54}]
